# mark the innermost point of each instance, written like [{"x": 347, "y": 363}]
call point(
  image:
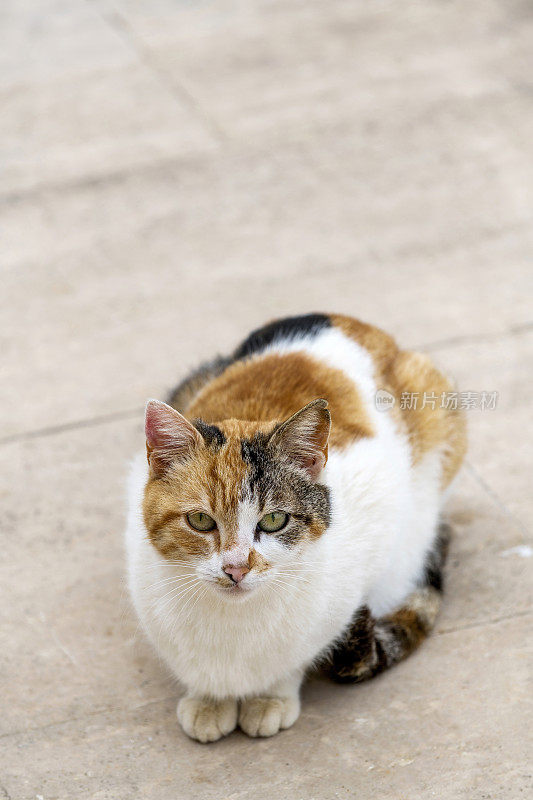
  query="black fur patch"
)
[
  {"x": 281, "y": 330},
  {"x": 285, "y": 488},
  {"x": 370, "y": 645},
  {"x": 434, "y": 572},
  {"x": 254, "y": 452},
  {"x": 359, "y": 655},
  {"x": 212, "y": 434}
]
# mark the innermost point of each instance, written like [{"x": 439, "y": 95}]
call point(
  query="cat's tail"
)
[{"x": 372, "y": 645}]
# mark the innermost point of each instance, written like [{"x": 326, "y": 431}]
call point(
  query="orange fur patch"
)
[
  {"x": 428, "y": 427},
  {"x": 273, "y": 387},
  {"x": 400, "y": 371},
  {"x": 167, "y": 527},
  {"x": 254, "y": 394},
  {"x": 315, "y": 529},
  {"x": 209, "y": 482},
  {"x": 257, "y": 561}
]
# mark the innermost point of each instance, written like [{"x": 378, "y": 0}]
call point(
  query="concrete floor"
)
[{"x": 174, "y": 174}]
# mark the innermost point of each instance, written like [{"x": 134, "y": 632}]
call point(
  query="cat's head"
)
[{"x": 236, "y": 503}]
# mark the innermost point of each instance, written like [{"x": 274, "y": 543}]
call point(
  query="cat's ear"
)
[
  {"x": 169, "y": 436},
  {"x": 303, "y": 438}
]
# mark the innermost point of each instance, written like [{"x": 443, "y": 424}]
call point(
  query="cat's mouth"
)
[{"x": 234, "y": 590}]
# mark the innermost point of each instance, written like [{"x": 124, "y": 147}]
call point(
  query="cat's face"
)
[{"x": 236, "y": 504}]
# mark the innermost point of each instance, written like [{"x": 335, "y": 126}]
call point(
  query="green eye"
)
[
  {"x": 200, "y": 521},
  {"x": 273, "y": 522}
]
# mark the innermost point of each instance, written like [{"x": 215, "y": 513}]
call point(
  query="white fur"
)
[{"x": 384, "y": 516}]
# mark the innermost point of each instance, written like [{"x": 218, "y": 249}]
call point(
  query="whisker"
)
[
  {"x": 284, "y": 583},
  {"x": 177, "y": 584},
  {"x": 166, "y": 581},
  {"x": 174, "y": 591},
  {"x": 200, "y": 595},
  {"x": 168, "y": 563},
  {"x": 188, "y": 603},
  {"x": 293, "y": 576},
  {"x": 187, "y": 591},
  {"x": 183, "y": 601},
  {"x": 173, "y": 579}
]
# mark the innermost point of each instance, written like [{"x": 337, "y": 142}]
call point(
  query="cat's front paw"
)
[
  {"x": 265, "y": 716},
  {"x": 207, "y": 720}
]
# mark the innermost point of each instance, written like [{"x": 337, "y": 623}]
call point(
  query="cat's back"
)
[
  {"x": 281, "y": 367},
  {"x": 289, "y": 362}
]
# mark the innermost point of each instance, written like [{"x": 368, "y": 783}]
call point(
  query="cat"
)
[{"x": 281, "y": 520}]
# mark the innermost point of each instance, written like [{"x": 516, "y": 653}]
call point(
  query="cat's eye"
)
[
  {"x": 201, "y": 521},
  {"x": 272, "y": 522}
]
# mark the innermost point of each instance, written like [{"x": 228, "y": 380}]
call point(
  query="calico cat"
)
[{"x": 282, "y": 520}]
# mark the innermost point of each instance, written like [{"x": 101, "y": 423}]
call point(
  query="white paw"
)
[
  {"x": 207, "y": 720},
  {"x": 265, "y": 716}
]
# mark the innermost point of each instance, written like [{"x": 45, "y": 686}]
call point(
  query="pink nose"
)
[{"x": 236, "y": 573}]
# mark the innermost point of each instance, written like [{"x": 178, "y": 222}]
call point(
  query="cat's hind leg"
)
[{"x": 372, "y": 645}]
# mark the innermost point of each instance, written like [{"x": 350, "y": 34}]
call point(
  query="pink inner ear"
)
[
  {"x": 313, "y": 464},
  {"x": 153, "y": 428},
  {"x": 304, "y": 437},
  {"x": 169, "y": 435}
]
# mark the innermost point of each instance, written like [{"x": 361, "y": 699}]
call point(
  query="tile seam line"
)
[
  {"x": 161, "y": 700},
  {"x": 91, "y": 422},
  {"x": 88, "y": 715},
  {"x": 496, "y": 499},
  {"x": 466, "y": 339},
  {"x": 120, "y": 25},
  {"x": 481, "y": 623},
  {"x": 104, "y": 419},
  {"x": 141, "y": 170}
]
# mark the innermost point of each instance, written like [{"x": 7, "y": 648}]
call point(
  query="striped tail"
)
[{"x": 370, "y": 645}]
